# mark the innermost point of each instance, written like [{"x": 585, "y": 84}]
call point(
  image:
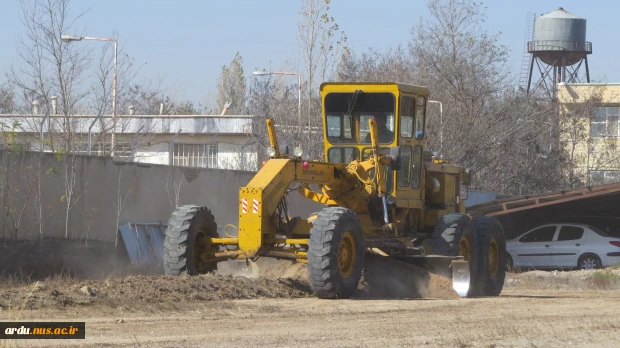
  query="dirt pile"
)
[
  {"x": 135, "y": 291},
  {"x": 51, "y": 272}
]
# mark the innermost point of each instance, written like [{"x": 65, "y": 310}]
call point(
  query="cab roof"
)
[{"x": 373, "y": 86}]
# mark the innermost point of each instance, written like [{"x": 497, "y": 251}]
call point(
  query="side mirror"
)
[{"x": 395, "y": 155}]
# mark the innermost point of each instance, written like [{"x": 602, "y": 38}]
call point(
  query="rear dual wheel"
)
[
  {"x": 455, "y": 235},
  {"x": 482, "y": 244},
  {"x": 492, "y": 257}
]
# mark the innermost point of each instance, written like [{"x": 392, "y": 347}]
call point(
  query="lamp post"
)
[
  {"x": 70, "y": 38},
  {"x": 265, "y": 73},
  {"x": 440, "y": 124}
]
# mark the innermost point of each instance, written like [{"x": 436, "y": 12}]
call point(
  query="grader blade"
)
[
  {"x": 239, "y": 268},
  {"x": 460, "y": 277}
]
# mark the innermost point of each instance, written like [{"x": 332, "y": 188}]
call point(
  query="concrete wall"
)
[{"x": 145, "y": 193}]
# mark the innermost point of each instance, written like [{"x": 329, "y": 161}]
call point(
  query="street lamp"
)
[
  {"x": 440, "y": 124},
  {"x": 265, "y": 73},
  {"x": 70, "y": 38}
]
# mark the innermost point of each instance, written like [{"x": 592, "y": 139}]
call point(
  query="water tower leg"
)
[
  {"x": 587, "y": 70},
  {"x": 529, "y": 79},
  {"x": 563, "y": 69},
  {"x": 555, "y": 81}
]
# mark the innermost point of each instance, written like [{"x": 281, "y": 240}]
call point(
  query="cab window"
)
[
  {"x": 343, "y": 154},
  {"x": 420, "y": 114},
  {"x": 339, "y": 128},
  {"x": 354, "y": 129},
  {"x": 407, "y": 108},
  {"x": 405, "y": 166}
]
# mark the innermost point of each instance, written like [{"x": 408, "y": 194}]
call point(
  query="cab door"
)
[
  {"x": 406, "y": 112},
  {"x": 410, "y": 119}
]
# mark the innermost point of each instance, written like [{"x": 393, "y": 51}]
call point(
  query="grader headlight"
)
[
  {"x": 271, "y": 151},
  {"x": 298, "y": 152}
]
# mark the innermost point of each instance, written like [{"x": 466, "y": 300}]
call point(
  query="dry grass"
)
[{"x": 606, "y": 279}]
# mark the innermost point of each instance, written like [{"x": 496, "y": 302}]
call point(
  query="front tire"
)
[
  {"x": 336, "y": 253},
  {"x": 186, "y": 241}
]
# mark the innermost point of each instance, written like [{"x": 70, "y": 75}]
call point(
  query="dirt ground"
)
[
  {"x": 396, "y": 305},
  {"x": 518, "y": 318}
]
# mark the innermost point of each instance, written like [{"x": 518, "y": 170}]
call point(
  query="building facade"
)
[
  {"x": 205, "y": 141},
  {"x": 590, "y": 121}
]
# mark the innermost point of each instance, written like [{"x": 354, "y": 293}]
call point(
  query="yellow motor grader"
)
[{"x": 383, "y": 193}]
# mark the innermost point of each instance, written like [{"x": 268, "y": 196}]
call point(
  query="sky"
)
[{"x": 188, "y": 41}]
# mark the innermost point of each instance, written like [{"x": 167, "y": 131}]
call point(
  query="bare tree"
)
[
  {"x": 393, "y": 65},
  {"x": 321, "y": 44},
  {"x": 7, "y": 99},
  {"x": 464, "y": 65},
  {"x": 51, "y": 67},
  {"x": 231, "y": 87},
  {"x": 273, "y": 98},
  {"x": 511, "y": 140}
]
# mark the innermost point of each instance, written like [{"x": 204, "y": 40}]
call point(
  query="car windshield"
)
[{"x": 347, "y": 116}]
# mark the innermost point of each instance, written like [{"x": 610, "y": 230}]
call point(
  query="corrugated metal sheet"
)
[
  {"x": 514, "y": 204},
  {"x": 144, "y": 242}
]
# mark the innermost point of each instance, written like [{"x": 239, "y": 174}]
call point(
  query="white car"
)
[{"x": 563, "y": 245}]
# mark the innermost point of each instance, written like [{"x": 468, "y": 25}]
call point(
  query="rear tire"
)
[
  {"x": 336, "y": 253},
  {"x": 455, "y": 235},
  {"x": 589, "y": 261},
  {"x": 509, "y": 263},
  {"x": 492, "y": 254},
  {"x": 185, "y": 241}
]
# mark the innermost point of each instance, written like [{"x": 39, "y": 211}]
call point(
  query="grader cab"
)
[{"x": 383, "y": 193}]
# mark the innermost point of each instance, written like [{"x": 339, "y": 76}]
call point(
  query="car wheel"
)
[{"x": 589, "y": 261}]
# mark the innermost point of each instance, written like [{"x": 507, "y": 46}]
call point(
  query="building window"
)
[
  {"x": 601, "y": 177},
  {"x": 195, "y": 155},
  {"x": 212, "y": 155},
  {"x": 605, "y": 122}
]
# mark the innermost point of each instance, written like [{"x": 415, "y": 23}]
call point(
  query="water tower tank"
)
[{"x": 560, "y": 38}]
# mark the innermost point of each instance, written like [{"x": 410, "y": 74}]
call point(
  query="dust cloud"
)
[{"x": 382, "y": 278}]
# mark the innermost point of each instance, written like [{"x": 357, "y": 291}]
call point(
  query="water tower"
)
[{"x": 559, "y": 49}]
